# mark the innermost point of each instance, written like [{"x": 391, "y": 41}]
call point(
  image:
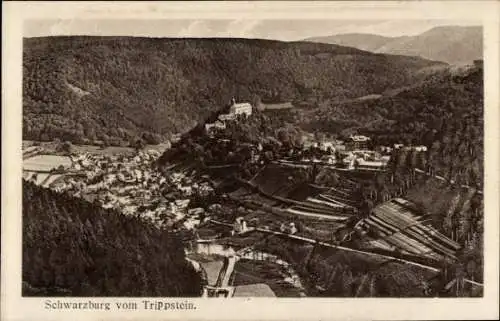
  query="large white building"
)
[{"x": 240, "y": 108}]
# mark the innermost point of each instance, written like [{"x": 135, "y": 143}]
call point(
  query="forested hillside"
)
[
  {"x": 75, "y": 248},
  {"x": 119, "y": 89},
  {"x": 445, "y": 113}
]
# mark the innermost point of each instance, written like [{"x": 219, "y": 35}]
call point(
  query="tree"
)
[
  {"x": 283, "y": 136},
  {"x": 66, "y": 147},
  {"x": 138, "y": 144},
  {"x": 367, "y": 206}
]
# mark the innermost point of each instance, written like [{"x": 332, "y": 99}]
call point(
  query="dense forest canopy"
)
[
  {"x": 75, "y": 248},
  {"x": 119, "y": 89}
]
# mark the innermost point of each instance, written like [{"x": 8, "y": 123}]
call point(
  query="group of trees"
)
[
  {"x": 115, "y": 90},
  {"x": 74, "y": 248}
]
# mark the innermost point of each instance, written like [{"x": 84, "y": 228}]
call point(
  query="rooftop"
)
[{"x": 359, "y": 138}]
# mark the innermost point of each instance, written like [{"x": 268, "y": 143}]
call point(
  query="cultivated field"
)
[
  {"x": 45, "y": 162},
  {"x": 96, "y": 150}
]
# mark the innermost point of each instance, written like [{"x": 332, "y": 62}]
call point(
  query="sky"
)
[{"x": 285, "y": 30}]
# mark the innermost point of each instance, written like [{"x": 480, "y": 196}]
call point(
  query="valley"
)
[{"x": 331, "y": 172}]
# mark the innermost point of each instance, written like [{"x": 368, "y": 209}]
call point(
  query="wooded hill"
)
[
  {"x": 444, "y": 112},
  {"x": 74, "y": 248},
  {"x": 119, "y": 89}
]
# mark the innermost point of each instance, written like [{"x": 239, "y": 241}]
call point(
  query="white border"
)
[{"x": 16, "y": 308}]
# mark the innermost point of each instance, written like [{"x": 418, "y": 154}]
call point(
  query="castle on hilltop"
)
[{"x": 240, "y": 108}]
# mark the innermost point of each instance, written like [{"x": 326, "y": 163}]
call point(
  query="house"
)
[
  {"x": 240, "y": 108},
  {"x": 340, "y": 147},
  {"x": 324, "y": 146},
  {"x": 363, "y": 164},
  {"x": 138, "y": 173},
  {"x": 385, "y": 158},
  {"x": 385, "y": 149},
  {"x": 358, "y": 142},
  {"x": 288, "y": 228},
  {"x": 359, "y": 138},
  {"x": 225, "y": 117},
  {"x": 365, "y": 160},
  {"x": 310, "y": 144},
  {"x": 239, "y": 226},
  {"x": 421, "y": 148},
  {"x": 217, "y": 125},
  {"x": 196, "y": 211},
  {"x": 330, "y": 159},
  {"x": 175, "y": 138},
  {"x": 220, "y": 125},
  {"x": 182, "y": 203},
  {"x": 191, "y": 224}
]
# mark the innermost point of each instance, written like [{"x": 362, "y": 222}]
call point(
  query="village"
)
[
  {"x": 131, "y": 183},
  {"x": 128, "y": 183},
  {"x": 182, "y": 198}
]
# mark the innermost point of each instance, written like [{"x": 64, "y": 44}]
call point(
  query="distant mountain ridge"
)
[{"x": 450, "y": 44}]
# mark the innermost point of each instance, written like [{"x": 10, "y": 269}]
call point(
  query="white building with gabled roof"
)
[{"x": 240, "y": 108}]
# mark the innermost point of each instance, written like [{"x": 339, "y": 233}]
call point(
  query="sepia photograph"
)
[
  {"x": 201, "y": 158},
  {"x": 244, "y": 158}
]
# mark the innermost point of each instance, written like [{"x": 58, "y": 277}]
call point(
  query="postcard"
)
[{"x": 250, "y": 160}]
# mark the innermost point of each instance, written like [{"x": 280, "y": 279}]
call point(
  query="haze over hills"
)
[
  {"x": 119, "y": 89},
  {"x": 451, "y": 44}
]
